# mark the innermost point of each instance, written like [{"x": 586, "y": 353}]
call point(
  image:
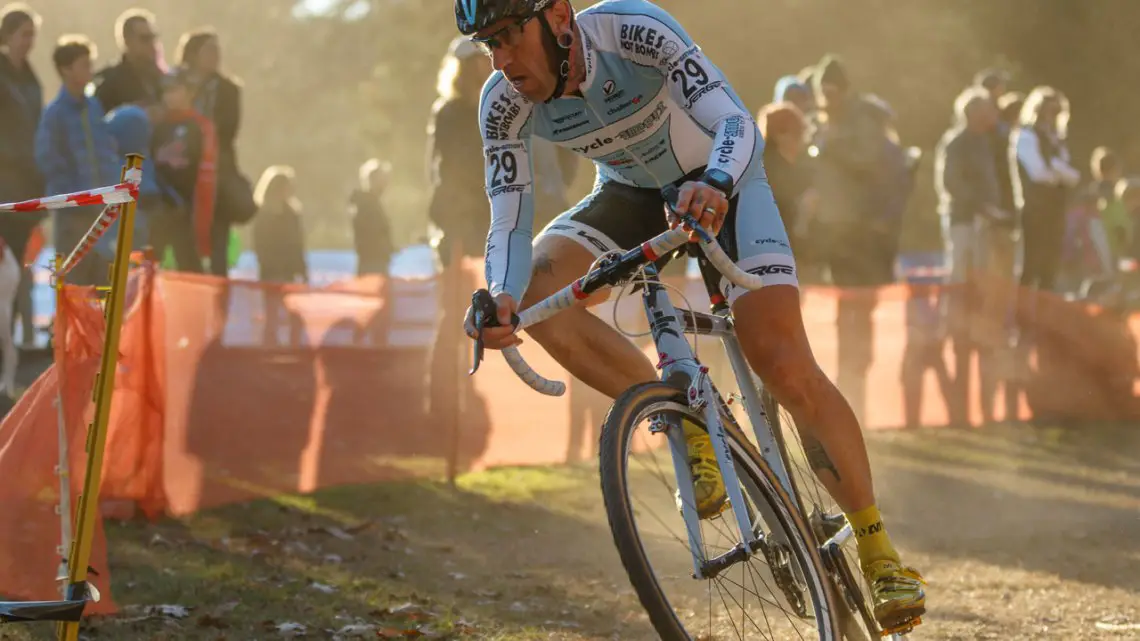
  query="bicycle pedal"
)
[{"x": 904, "y": 627}]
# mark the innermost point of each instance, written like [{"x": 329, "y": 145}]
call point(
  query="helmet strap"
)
[{"x": 558, "y": 51}]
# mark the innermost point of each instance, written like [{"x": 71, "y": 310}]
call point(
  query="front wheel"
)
[{"x": 778, "y": 592}]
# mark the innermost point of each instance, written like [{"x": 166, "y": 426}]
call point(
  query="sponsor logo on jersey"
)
[
  {"x": 570, "y": 116},
  {"x": 702, "y": 92},
  {"x": 508, "y": 189},
  {"x": 733, "y": 129},
  {"x": 597, "y": 144},
  {"x": 500, "y": 117},
  {"x": 641, "y": 40},
  {"x": 570, "y": 127},
  {"x": 636, "y": 100},
  {"x": 645, "y": 124}
]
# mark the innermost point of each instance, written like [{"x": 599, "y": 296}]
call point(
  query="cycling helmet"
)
[{"x": 473, "y": 15}]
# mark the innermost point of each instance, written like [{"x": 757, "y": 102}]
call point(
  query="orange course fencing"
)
[{"x": 229, "y": 391}]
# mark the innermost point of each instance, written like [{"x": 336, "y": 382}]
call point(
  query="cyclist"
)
[{"x": 623, "y": 84}]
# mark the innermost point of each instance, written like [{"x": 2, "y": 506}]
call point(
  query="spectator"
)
[
  {"x": 278, "y": 236},
  {"x": 217, "y": 96},
  {"x": 1044, "y": 178},
  {"x": 75, "y": 152},
  {"x": 1009, "y": 111},
  {"x": 371, "y": 229},
  {"x": 849, "y": 173},
  {"x": 1121, "y": 217},
  {"x": 966, "y": 178},
  {"x": 185, "y": 153},
  {"x": 790, "y": 89},
  {"x": 458, "y": 204},
  {"x": 131, "y": 130},
  {"x": 993, "y": 81},
  {"x": 1106, "y": 170},
  {"x": 21, "y": 102},
  {"x": 782, "y": 126},
  {"x": 279, "y": 244},
  {"x": 137, "y": 77}
]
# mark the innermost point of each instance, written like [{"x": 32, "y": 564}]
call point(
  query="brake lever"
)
[
  {"x": 481, "y": 305},
  {"x": 671, "y": 193},
  {"x": 485, "y": 313}
]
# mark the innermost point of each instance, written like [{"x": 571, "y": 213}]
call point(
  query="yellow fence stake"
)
[{"x": 80, "y": 553}]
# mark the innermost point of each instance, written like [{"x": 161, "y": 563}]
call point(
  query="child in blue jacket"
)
[
  {"x": 75, "y": 152},
  {"x": 131, "y": 129}
]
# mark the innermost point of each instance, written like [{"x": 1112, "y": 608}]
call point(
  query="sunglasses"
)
[{"x": 508, "y": 36}]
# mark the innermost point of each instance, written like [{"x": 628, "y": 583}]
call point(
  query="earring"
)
[{"x": 566, "y": 39}]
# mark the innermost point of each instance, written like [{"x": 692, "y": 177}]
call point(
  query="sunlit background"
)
[{"x": 328, "y": 83}]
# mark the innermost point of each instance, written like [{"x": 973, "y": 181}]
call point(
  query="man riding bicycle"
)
[{"x": 623, "y": 84}]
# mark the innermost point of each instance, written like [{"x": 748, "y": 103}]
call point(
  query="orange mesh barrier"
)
[{"x": 231, "y": 390}]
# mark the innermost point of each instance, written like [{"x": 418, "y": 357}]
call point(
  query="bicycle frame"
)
[{"x": 678, "y": 365}]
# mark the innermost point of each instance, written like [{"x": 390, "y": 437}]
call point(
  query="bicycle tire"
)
[{"x": 616, "y": 435}]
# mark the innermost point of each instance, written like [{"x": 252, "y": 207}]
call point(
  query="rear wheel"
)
[{"x": 780, "y": 591}]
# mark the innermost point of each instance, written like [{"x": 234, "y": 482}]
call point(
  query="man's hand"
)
[
  {"x": 496, "y": 337},
  {"x": 708, "y": 205}
]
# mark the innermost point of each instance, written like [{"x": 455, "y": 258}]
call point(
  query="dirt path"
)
[{"x": 1023, "y": 534}]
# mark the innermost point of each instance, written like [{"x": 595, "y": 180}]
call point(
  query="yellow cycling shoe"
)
[
  {"x": 708, "y": 486},
  {"x": 896, "y": 594}
]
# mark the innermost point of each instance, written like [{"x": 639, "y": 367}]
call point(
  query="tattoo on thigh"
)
[
  {"x": 817, "y": 457},
  {"x": 543, "y": 264}
]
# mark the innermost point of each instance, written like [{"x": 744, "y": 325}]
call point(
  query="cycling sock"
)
[{"x": 871, "y": 537}]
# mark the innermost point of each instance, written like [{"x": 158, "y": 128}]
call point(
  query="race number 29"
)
[
  {"x": 504, "y": 168},
  {"x": 692, "y": 77}
]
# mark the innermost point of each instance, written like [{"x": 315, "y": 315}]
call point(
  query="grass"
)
[{"x": 409, "y": 560}]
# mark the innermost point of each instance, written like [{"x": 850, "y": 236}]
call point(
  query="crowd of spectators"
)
[{"x": 184, "y": 118}]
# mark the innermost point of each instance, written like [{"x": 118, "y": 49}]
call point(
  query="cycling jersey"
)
[{"x": 652, "y": 109}]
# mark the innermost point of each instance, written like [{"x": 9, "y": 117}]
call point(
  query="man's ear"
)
[{"x": 560, "y": 15}]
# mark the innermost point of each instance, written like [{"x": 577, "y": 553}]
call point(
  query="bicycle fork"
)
[{"x": 678, "y": 364}]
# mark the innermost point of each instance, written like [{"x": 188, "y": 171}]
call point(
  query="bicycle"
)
[{"x": 807, "y": 548}]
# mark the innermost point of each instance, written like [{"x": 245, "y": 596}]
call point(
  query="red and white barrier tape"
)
[
  {"x": 113, "y": 197},
  {"x": 123, "y": 192}
]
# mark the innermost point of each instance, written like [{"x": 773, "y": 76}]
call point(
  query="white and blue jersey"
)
[{"x": 652, "y": 110}]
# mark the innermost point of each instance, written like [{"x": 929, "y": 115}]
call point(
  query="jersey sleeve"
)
[
  {"x": 505, "y": 125},
  {"x": 651, "y": 37}
]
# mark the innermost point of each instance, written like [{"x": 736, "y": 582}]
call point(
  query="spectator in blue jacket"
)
[
  {"x": 131, "y": 129},
  {"x": 75, "y": 152}
]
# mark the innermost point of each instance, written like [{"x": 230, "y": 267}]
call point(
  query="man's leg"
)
[
  {"x": 581, "y": 342},
  {"x": 613, "y": 217},
  {"x": 776, "y": 346}
]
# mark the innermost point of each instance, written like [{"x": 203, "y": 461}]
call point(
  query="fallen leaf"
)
[
  {"x": 355, "y": 630},
  {"x": 291, "y": 629},
  {"x": 338, "y": 533},
  {"x": 411, "y": 612},
  {"x": 322, "y": 588}
]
